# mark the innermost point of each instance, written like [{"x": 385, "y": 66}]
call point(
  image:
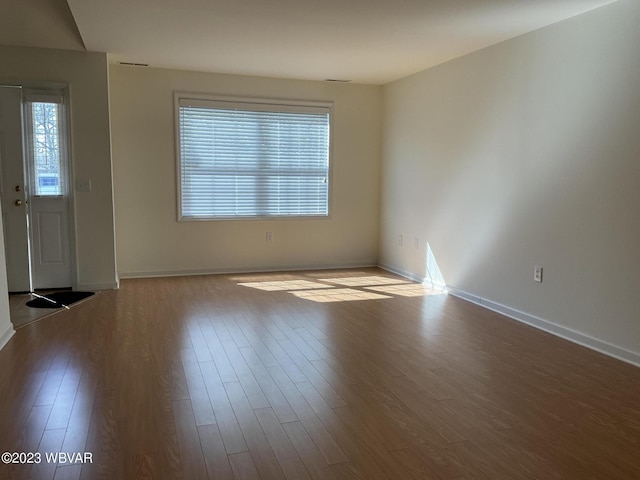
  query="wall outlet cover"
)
[{"x": 537, "y": 274}]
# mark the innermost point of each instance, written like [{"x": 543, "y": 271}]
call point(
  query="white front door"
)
[
  {"x": 14, "y": 199},
  {"x": 45, "y": 143},
  {"x": 50, "y": 242},
  {"x": 35, "y": 194}
]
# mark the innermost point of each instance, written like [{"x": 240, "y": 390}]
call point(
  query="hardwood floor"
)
[{"x": 317, "y": 375}]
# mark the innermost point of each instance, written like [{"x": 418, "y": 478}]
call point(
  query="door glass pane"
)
[{"x": 46, "y": 148}]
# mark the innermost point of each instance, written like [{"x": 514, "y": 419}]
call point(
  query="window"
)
[
  {"x": 44, "y": 119},
  {"x": 250, "y": 159}
]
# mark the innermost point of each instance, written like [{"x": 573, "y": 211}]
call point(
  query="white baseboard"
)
[
  {"x": 6, "y": 335},
  {"x": 416, "y": 278},
  {"x": 553, "y": 328},
  {"x": 232, "y": 270},
  {"x": 93, "y": 287},
  {"x": 402, "y": 273}
]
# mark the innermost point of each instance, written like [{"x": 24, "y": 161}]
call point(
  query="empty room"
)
[{"x": 320, "y": 240}]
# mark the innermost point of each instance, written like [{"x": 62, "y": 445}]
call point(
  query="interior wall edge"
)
[
  {"x": 6, "y": 336},
  {"x": 548, "y": 326}
]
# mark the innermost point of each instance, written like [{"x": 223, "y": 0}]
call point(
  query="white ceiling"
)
[{"x": 366, "y": 41}]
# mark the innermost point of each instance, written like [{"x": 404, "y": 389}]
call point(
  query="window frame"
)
[
  {"x": 287, "y": 105},
  {"x": 60, "y": 98}
]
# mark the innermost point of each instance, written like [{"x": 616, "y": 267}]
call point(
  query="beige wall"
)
[
  {"x": 527, "y": 153},
  {"x": 150, "y": 240},
  {"x": 86, "y": 74}
]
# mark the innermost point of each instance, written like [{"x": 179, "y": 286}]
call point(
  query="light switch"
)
[{"x": 83, "y": 185}]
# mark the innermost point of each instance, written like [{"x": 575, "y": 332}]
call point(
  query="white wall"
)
[
  {"x": 87, "y": 77},
  {"x": 150, "y": 241},
  {"x": 527, "y": 153},
  {"x": 6, "y": 328}
]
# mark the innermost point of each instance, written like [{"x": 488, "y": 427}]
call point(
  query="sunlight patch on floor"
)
[
  {"x": 337, "y": 295},
  {"x": 364, "y": 281},
  {"x": 285, "y": 285},
  {"x": 344, "y": 288}
]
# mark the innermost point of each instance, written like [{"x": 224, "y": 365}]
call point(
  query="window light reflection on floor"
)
[
  {"x": 367, "y": 281},
  {"x": 344, "y": 288},
  {"x": 337, "y": 295},
  {"x": 285, "y": 285}
]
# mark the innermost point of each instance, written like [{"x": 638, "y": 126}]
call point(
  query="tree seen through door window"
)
[{"x": 46, "y": 147}]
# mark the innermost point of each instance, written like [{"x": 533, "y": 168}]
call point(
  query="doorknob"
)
[{"x": 18, "y": 203}]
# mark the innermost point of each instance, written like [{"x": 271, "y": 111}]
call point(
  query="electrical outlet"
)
[
  {"x": 537, "y": 274},
  {"x": 400, "y": 240},
  {"x": 268, "y": 237}
]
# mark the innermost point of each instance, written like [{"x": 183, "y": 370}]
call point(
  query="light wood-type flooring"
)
[{"x": 354, "y": 374}]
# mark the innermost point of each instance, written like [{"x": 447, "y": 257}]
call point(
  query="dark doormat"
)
[{"x": 58, "y": 299}]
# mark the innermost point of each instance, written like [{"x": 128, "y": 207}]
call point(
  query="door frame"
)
[{"x": 65, "y": 89}]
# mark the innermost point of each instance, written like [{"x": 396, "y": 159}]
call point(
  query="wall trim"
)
[
  {"x": 416, "y": 278},
  {"x": 569, "y": 334},
  {"x": 98, "y": 286},
  {"x": 402, "y": 273},
  {"x": 232, "y": 270},
  {"x": 6, "y": 335}
]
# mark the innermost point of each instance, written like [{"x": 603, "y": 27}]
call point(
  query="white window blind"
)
[{"x": 252, "y": 159}]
